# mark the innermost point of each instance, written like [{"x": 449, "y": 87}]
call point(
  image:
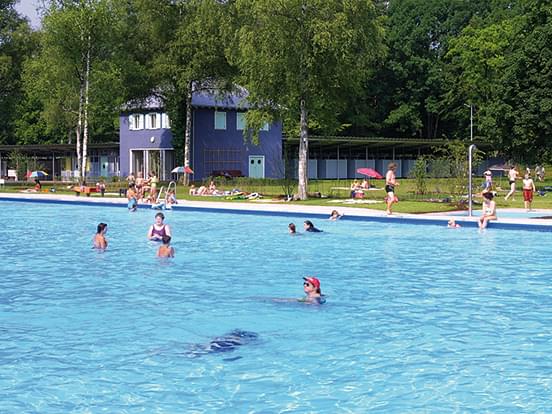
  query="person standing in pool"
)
[
  {"x": 528, "y": 191},
  {"x": 390, "y": 183},
  {"x": 132, "y": 197},
  {"x": 489, "y": 210},
  {"x": 99, "y": 240},
  {"x": 159, "y": 229},
  {"x": 165, "y": 250},
  {"x": 512, "y": 177},
  {"x": 311, "y": 287}
]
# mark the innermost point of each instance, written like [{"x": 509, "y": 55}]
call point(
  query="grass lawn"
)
[{"x": 334, "y": 193}]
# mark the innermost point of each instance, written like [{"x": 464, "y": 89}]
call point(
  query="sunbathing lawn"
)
[{"x": 334, "y": 192}]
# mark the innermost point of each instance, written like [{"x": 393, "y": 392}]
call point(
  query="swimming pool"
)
[
  {"x": 507, "y": 213},
  {"x": 418, "y": 319}
]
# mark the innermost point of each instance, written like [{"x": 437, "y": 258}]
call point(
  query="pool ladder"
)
[{"x": 172, "y": 185}]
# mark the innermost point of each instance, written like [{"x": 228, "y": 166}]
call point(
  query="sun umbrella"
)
[
  {"x": 369, "y": 172},
  {"x": 498, "y": 167},
  {"x": 182, "y": 170},
  {"x": 38, "y": 174}
]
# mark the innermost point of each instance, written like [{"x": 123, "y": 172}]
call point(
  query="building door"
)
[
  {"x": 256, "y": 166},
  {"x": 103, "y": 166}
]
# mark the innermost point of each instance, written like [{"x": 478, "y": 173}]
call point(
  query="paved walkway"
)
[{"x": 296, "y": 210}]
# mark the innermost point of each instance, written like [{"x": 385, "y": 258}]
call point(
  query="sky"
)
[{"x": 28, "y": 8}]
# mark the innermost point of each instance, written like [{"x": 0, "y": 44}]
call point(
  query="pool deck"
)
[{"x": 294, "y": 210}]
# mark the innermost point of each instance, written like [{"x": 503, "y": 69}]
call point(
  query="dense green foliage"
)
[{"x": 439, "y": 55}]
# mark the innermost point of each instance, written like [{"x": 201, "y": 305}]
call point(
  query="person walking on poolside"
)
[
  {"x": 132, "y": 197},
  {"x": 528, "y": 191},
  {"x": 159, "y": 229},
  {"x": 99, "y": 240},
  {"x": 488, "y": 184},
  {"x": 489, "y": 210},
  {"x": 512, "y": 177},
  {"x": 390, "y": 183},
  {"x": 165, "y": 250}
]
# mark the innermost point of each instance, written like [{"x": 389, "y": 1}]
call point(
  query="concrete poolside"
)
[{"x": 303, "y": 211}]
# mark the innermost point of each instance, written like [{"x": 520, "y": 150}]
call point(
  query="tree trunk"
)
[
  {"x": 188, "y": 132},
  {"x": 78, "y": 130},
  {"x": 86, "y": 104},
  {"x": 303, "y": 153}
]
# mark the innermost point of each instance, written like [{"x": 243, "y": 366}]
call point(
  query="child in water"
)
[
  {"x": 335, "y": 215},
  {"x": 453, "y": 224},
  {"x": 99, "y": 240},
  {"x": 165, "y": 250}
]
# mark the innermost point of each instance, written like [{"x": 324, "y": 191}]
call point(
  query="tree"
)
[
  {"x": 17, "y": 42},
  {"x": 193, "y": 58},
  {"x": 300, "y": 60},
  {"x": 77, "y": 83}
]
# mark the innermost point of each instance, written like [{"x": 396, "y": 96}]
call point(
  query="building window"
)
[
  {"x": 165, "y": 121},
  {"x": 153, "y": 121},
  {"x": 220, "y": 120},
  {"x": 265, "y": 127},
  {"x": 240, "y": 121},
  {"x": 135, "y": 122}
]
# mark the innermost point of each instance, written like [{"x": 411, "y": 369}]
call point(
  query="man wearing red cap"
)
[{"x": 311, "y": 287}]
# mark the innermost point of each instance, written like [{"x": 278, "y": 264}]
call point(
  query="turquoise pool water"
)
[
  {"x": 419, "y": 318},
  {"x": 508, "y": 213}
]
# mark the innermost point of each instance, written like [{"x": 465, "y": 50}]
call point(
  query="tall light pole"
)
[{"x": 471, "y": 120}]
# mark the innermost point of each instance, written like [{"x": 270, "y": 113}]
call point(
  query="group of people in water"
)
[{"x": 161, "y": 232}]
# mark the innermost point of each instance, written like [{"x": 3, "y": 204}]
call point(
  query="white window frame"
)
[
  {"x": 219, "y": 114},
  {"x": 132, "y": 122},
  {"x": 240, "y": 121},
  {"x": 156, "y": 117},
  {"x": 165, "y": 121}
]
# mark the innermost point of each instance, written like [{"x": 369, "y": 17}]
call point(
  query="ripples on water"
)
[{"x": 418, "y": 319}]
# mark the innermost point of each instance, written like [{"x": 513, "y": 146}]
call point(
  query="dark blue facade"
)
[{"x": 147, "y": 146}]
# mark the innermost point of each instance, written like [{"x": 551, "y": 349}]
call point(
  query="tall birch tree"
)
[{"x": 300, "y": 60}]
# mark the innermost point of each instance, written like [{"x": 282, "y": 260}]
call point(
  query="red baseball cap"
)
[{"x": 313, "y": 281}]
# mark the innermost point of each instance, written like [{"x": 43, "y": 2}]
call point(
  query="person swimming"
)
[
  {"x": 311, "y": 287},
  {"x": 335, "y": 215},
  {"x": 99, "y": 240},
  {"x": 309, "y": 227},
  {"x": 159, "y": 228},
  {"x": 165, "y": 250},
  {"x": 292, "y": 229},
  {"x": 452, "y": 224}
]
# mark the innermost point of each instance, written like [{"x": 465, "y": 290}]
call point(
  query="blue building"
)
[{"x": 217, "y": 144}]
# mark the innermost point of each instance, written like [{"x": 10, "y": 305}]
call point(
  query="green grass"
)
[{"x": 332, "y": 195}]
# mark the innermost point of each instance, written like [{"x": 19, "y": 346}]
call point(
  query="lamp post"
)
[
  {"x": 471, "y": 120},
  {"x": 470, "y": 192}
]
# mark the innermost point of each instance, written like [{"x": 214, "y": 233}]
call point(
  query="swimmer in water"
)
[
  {"x": 99, "y": 240},
  {"x": 311, "y": 287},
  {"x": 159, "y": 228},
  {"x": 335, "y": 215},
  {"x": 165, "y": 250},
  {"x": 452, "y": 224},
  {"x": 292, "y": 229},
  {"x": 309, "y": 227}
]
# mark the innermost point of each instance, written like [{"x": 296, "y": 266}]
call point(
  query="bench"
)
[
  {"x": 85, "y": 190},
  {"x": 227, "y": 173}
]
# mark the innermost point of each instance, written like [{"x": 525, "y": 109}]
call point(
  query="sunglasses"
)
[{"x": 308, "y": 284}]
